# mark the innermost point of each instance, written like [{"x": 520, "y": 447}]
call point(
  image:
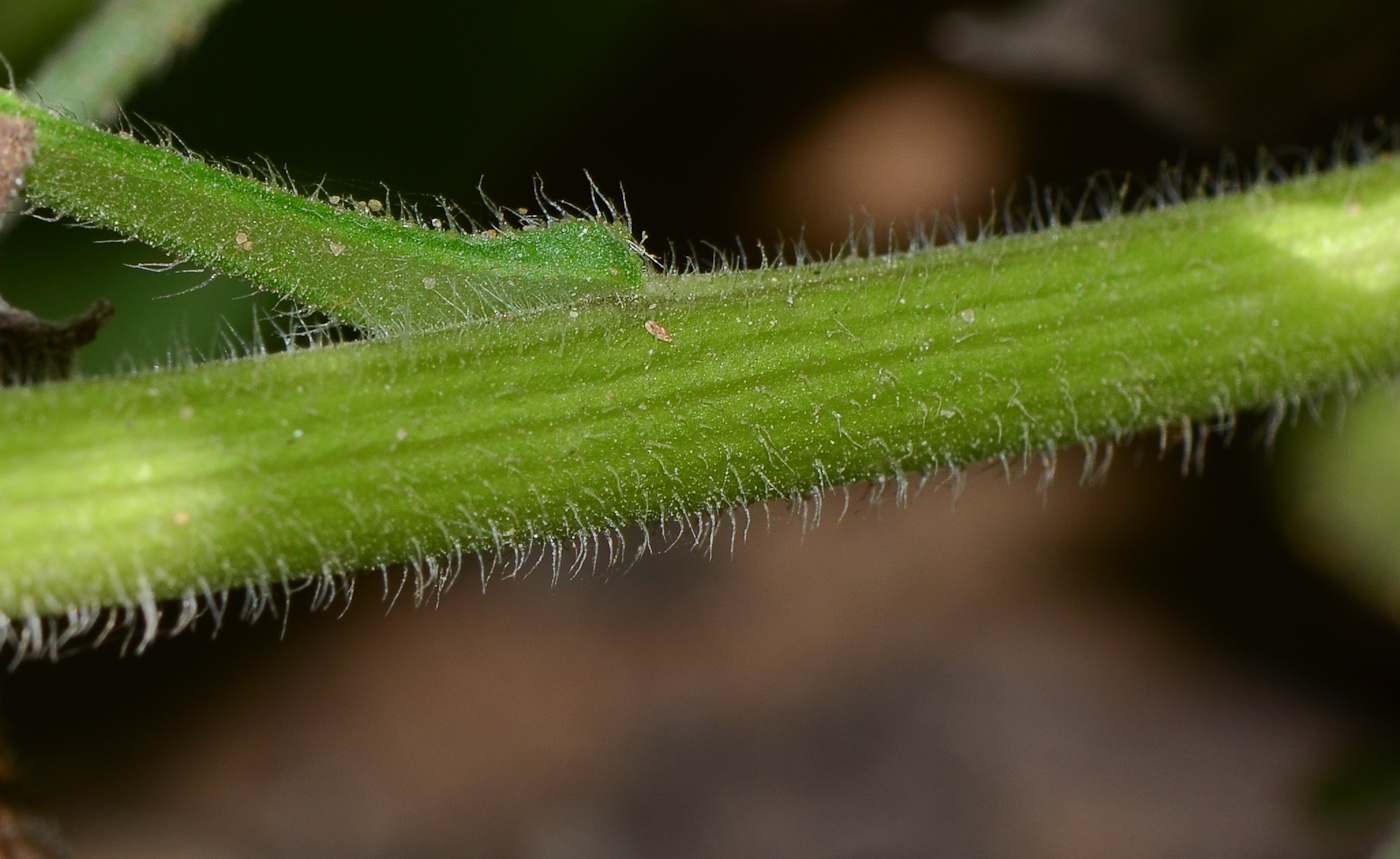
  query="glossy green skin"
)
[{"x": 577, "y": 420}]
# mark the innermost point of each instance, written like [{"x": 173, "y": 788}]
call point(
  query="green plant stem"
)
[
  {"x": 103, "y": 62},
  {"x": 778, "y": 382},
  {"x": 359, "y": 262}
]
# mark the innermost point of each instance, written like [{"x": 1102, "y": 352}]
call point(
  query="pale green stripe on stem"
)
[{"x": 776, "y": 383}]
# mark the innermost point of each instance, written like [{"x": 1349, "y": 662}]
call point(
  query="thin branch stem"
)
[{"x": 368, "y": 263}]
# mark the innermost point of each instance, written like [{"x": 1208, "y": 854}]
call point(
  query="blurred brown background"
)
[{"x": 1139, "y": 669}]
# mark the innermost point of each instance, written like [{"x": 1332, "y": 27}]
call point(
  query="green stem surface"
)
[
  {"x": 358, "y": 262},
  {"x": 776, "y": 383}
]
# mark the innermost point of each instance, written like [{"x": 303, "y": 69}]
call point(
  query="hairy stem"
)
[
  {"x": 106, "y": 59},
  {"x": 775, "y": 383},
  {"x": 359, "y": 262}
]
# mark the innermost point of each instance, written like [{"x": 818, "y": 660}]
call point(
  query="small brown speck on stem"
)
[{"x": 656, "y": 330}]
